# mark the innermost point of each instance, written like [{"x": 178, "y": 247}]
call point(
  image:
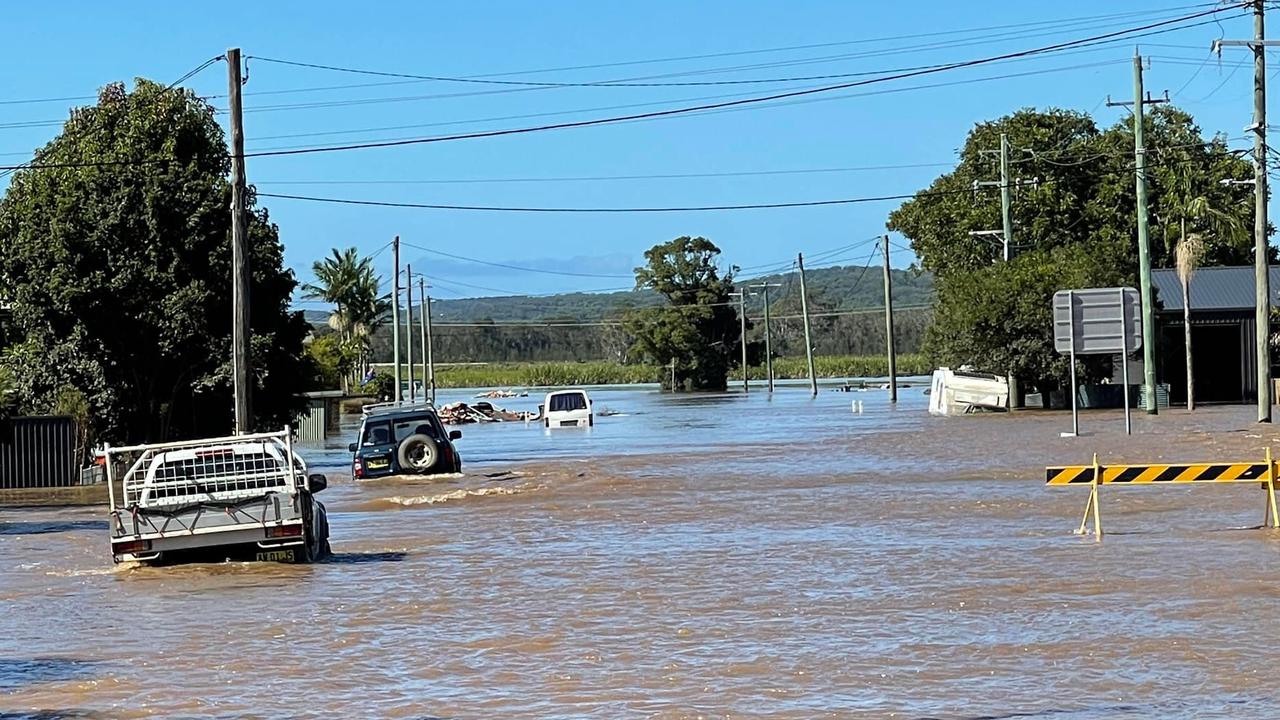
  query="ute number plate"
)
[
  {"x": 570, "y": 423},
  {"x": 276, "y": 556},
  {"x": 379, "y": 464}
]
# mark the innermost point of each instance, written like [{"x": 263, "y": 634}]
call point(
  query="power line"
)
[
  {"x": 1058, "y": 26},
  {"x": 510, "y": 267},
  {"x": 690, "y": 208},
  {"x": 835, "y": 44},
  {"x": 576, "y": 111},
  {"x": 608, "y": 178},
  {"x": 8, "y": 170},
  {"x": 747, "y": 101}
]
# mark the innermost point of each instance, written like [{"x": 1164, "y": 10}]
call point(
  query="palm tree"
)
[
  {"x": 1190, "y": 250},
  {"x": 335, "y": 279},
  {"x": 1187, "y": 256},
  {"x": 349, "y": 282}
]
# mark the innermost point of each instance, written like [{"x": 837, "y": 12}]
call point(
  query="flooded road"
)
[{"x": 709, "y": 556}]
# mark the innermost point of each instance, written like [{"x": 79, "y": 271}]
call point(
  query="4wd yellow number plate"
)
[
  {"x": 379, "y": 464},
  {"x": 276, "y": 556}
]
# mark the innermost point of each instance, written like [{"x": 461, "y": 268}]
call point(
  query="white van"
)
[{"x": 567, "y": 408}]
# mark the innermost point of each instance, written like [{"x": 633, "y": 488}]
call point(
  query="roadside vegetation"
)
[
  {"x": 551, "y": 374},
  {"x": 1073, "y": 227},
  {"x": 115, "y": 263}
]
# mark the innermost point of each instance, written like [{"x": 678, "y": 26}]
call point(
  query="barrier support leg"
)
[
  {"x": 1097, "y": 514},
  {"x": 1092, "y": 505},
  {"x": 1271, "y": 517}
]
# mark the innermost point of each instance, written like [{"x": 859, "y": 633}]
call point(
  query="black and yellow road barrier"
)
[{"x": 1095, "y": 475}]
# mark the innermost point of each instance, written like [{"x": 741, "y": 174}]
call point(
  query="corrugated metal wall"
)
[
  {"x": 38, "y": 452},
  {"x": 313, "y": 426}
]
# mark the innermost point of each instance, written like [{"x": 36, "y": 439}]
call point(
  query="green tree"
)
[
  {"x": 117, "y": 263},
  {"x": 334, "y": 359},
  {"x": 1074, "y": 228},
  {"x": 698, "y": 331},
  {"x": 351, "y": 285}
]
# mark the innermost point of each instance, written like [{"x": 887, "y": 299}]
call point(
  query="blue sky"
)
[{"x": 891, "y": 142}]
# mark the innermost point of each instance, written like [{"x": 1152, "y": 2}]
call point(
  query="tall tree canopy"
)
[
  {"x": 117, "y": 263},
  {"x": 1074, "y": 226},
  {"x": 698, "y": 331}
]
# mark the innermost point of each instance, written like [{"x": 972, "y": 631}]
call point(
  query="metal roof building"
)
[
  {"x": 1222, "y": 332},
  {"x": 1212, "y": 289}
]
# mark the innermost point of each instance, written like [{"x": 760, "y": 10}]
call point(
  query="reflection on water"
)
[{"x": 697, "y": 556}]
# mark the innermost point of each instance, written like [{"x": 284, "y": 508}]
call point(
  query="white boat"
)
[{"x": 957, "y": 392}]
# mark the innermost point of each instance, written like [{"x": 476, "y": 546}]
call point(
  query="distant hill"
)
[{"x": 830, "y": 289}]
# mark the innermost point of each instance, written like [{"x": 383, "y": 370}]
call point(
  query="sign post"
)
[{"x": 1097, "y": 321}]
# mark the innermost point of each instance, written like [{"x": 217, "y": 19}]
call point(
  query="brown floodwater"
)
[{"x": 790, "y": 559}]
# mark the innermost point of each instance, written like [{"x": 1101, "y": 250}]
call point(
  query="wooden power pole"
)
[
  {"x": 395, "y": 316},
  {"x": 888, "y": 325},
  {"x": 241, "y": 371},
  {"x": 808, "y": 341}
]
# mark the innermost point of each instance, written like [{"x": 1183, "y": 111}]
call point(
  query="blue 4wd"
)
[{"x": 403, "y": 439}]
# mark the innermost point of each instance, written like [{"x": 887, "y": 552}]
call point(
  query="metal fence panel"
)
[
  {"x": 38, "y": 452},
  {"x": 312, "y": 426}
]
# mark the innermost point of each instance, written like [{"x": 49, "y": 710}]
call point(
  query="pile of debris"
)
[
  {"x": 461, "y": 413},
  {"x": 495, "y": 394}
]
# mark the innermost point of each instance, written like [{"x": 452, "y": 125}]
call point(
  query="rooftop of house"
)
[{"x": 1224, "y": 288}]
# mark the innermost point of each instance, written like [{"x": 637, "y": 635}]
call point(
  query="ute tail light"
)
[
  {"x": 130, "y": 547},
  {"x": 357, "y": 468},
  {"x": 284, "y": 531}
]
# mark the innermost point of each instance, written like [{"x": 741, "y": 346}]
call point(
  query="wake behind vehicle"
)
[
  {"x": 239, "y": 497},
  {"x": 403, "y": 438}
]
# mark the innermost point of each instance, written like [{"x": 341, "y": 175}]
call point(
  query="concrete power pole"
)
[
  {"x": 408, "y": 326},
  {"x": 1006, "y": 200},
  {"x": 241, "y": 372},
  {"x": 1261, "y": 275},
  {"x": 888, "y": 325},
  {"x": 431, "y": 363},
  {"x": 395, "y": 317},
  {"x": 1144, "y": 252},
  {"x": 1005, "y": 233},
  {"x": 768, "y": 337},
  {"x": 428, "y": 386},
  {"x": 742, "y": 319},
  {"x": 808, "y": 341}
]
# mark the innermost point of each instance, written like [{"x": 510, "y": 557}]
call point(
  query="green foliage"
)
[
  {"x": 334, "y": 359},
  {"x": 831, "y": 289},
  {"x": 72, "y": 403},
  {"x": 1076, "y": 228},
  {"x": 8, "y": 393},
  {"x": 844, "y": 366},
  {"x": 381, "y": 385},
  {"x": 1001, "y": 316},
  {"x": 544, "y": 374},
  {"x": 529, "y": 375},
  {"x": 119, "y": 271},
  {"x": 698, "y": 333}
]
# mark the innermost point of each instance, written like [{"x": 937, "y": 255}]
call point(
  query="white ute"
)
[
  {"x": 567, "y": 408},
  {"x": 245, "y": 497}
]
